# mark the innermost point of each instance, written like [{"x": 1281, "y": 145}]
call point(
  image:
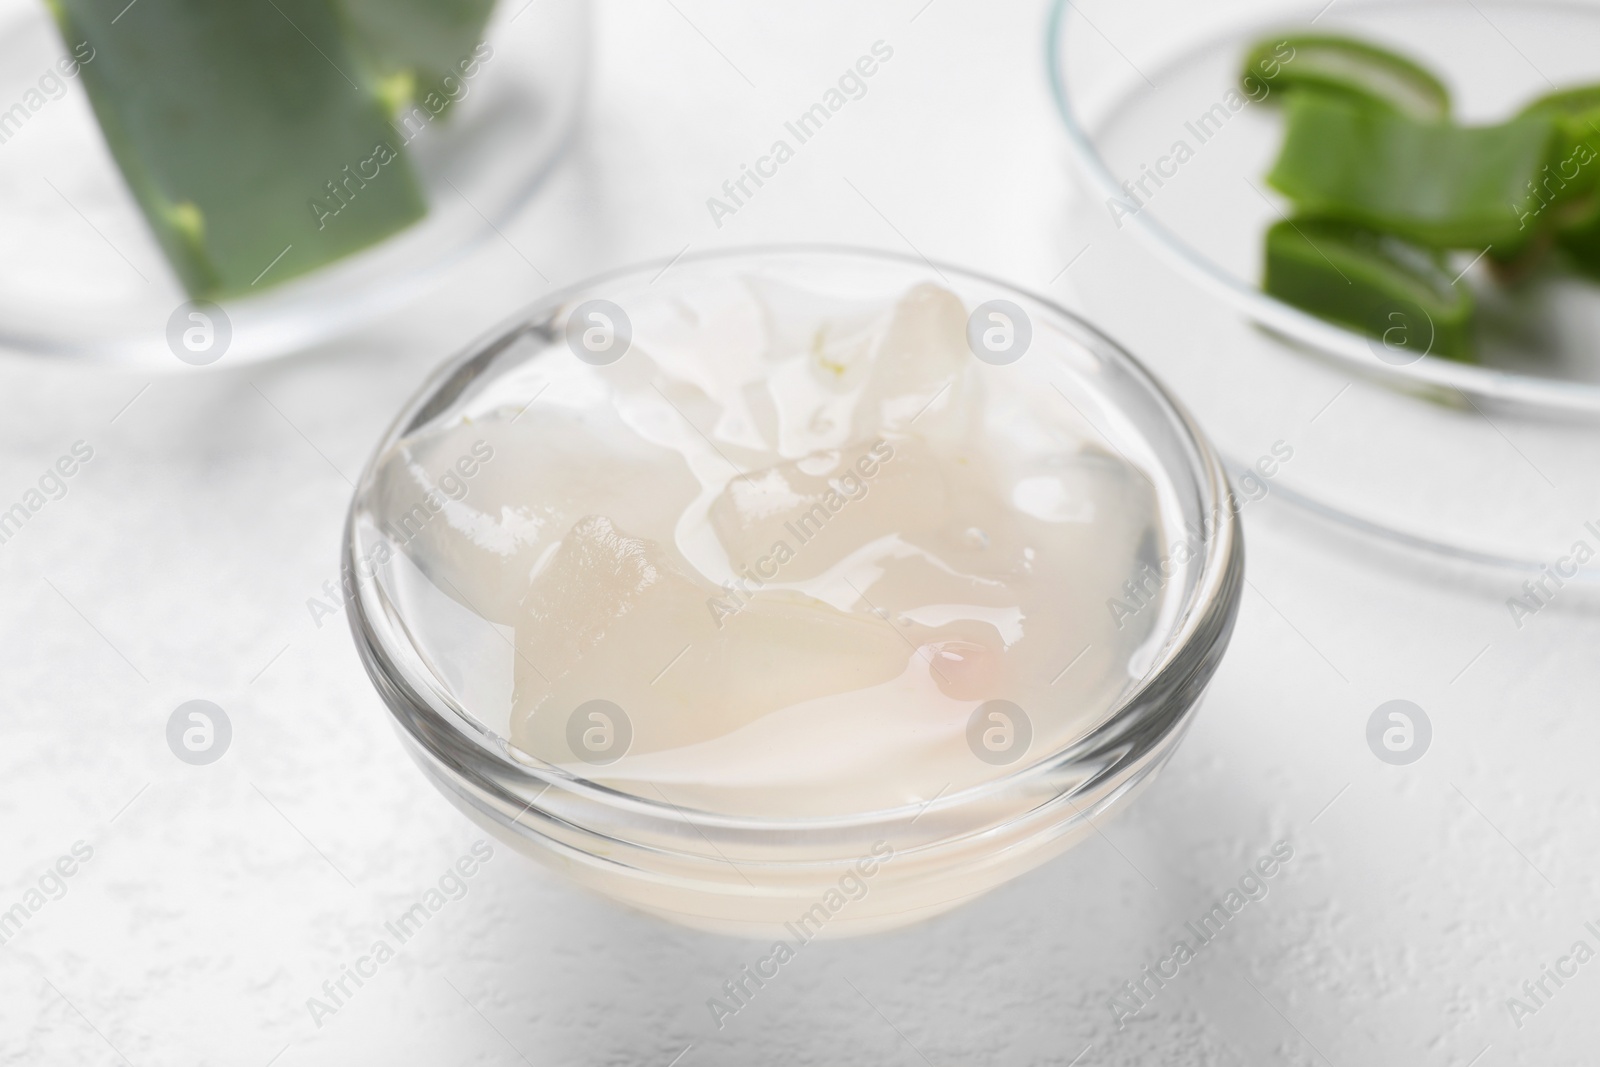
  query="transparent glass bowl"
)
[
  {"x": 82, "y": 277},
  {"x": 732, "y": 873},
  {"x": 1491, "y": 463}
]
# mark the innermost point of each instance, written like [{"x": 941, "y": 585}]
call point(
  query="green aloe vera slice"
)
[
  {"x": 245, "y": 134},
  {"x": 1347, "y": 67},
  {"x": 1374, "y": 283},
  {"x": 1572, "y": 176},
  {"x": 1436, "y": 184},
  {"x": 1573, "y": 102},
  {"x": 1572, "y": 170}
]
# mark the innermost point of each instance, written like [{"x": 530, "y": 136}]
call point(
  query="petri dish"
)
[{"x": 1489, "y": 463}]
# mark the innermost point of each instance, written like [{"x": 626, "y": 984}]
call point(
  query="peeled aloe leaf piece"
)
[
  {"x": 1373, "y": 282},
  {"x": 246, "y": 134},
  {"x": 1345, "y": 66},
  {"x": 1437, "y": 184}
]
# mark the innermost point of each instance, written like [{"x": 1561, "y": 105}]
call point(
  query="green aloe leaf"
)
[
  {"x": 1347, "y": 67},
  {"x": 1567, "y": 193},
  {"x": 246, "y": 133},
  {"x": 1437, "y": 184},
  {"x": 1374, "y": 283}
]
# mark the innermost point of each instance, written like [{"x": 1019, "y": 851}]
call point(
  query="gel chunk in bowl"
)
[{"x": 714, "y": 586}]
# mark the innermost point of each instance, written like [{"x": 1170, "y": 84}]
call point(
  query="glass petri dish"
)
[
  {"x": 84, "y": 279},
  {"x": 1490, "y": 463},
  {"x": 750, "y": 843}
]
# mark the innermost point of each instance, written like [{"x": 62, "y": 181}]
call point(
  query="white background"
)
[{"x": 219, "y": 898}]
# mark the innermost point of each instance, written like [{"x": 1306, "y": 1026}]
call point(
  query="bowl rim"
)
[
  {"x": 1159, "y": 705},
  {"x": 1349, "y": 349}
]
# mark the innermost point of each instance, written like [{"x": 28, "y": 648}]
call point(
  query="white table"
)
[{"x": 219, "y": 898}]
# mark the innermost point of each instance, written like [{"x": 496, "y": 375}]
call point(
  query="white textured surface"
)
[{"x": 180, "y": 562}]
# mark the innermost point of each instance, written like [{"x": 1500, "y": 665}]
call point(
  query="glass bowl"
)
[
  {"x": 1490, "y": 463},
  {"x": 718, "y": 868},
  {"x": 84, "y": 279}
]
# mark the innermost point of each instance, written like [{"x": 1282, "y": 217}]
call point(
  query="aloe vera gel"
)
[{"x": 789, "y": 554}]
